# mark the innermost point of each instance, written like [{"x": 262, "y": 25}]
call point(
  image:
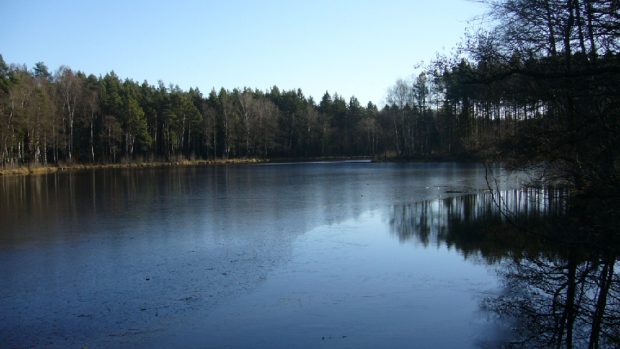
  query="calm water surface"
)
[{"x": 338, "y": 255}]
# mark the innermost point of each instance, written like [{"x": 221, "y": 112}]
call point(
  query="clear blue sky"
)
[{"x": 353, "y": 47}]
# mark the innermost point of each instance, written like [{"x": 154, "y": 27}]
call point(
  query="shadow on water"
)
[{"x": 557, "y": 261}]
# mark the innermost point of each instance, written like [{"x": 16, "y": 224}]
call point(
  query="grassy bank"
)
[
  {"x": 25, "y": 170},
  {"x": 40, "y": 169}
]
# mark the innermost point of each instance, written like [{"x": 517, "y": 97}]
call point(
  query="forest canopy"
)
[{"x": 68, "y": 116}]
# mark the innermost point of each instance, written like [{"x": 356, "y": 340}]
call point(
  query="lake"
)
[{"x": 306, "y": 255}]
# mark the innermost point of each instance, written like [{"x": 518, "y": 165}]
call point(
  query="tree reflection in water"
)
[{"x": 557, "y": 260}]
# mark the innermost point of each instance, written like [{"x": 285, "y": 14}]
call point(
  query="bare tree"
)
[{"x": 70, "y": 87}]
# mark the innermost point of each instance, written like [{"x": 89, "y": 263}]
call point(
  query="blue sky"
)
[{"x": 350, "y": 47}]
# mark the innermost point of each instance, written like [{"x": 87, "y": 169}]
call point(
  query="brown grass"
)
[{"x": 36, "y": 170}]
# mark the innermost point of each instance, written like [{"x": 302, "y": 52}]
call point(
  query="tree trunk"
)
[
  {"x": 589, "y": 16},
  {"x": 70, "y": 136},
  {"x": 92, "y": 141},
  {"x": 582, "y": 43},
  {"x": 570, "y": 303},
  {"x": 605, "y": 281},
  {"x": 568, "y": 29}
]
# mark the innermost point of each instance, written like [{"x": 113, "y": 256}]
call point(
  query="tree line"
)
[{"x": 71, "y": 117}]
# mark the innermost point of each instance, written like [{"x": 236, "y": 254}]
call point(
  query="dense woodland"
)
[
  {"x": 539, "y": 86},
  {"x": 69, "y": 116},
  {"x": 548, "y": 77}
]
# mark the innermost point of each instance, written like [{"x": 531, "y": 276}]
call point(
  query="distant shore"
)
[
  {"x": 53, "y": 168},
  {"x": 25, "y": 170}
]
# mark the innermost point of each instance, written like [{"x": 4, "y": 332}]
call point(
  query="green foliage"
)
[
  {"x": 136, "y": 128},
  {"x": 72, "y": 116}
]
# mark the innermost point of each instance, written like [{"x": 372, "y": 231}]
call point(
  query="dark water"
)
[{"x": 344, "y": 255}]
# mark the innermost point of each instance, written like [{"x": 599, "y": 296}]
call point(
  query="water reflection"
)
[
  {"x": 117, "y": 258},
  {"x": 557, "y": 261},
  {"x": 560, "y": 303},
  {"x": 110, "y": 258},
  {"x": 65, "y": 206}
]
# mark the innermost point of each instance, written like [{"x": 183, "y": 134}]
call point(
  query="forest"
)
[
  {"x": 537, "y": 87},
  {"x": 69, "y": 116}
]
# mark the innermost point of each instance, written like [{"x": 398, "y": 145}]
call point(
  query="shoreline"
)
[
  {"x": 27, "y": 170},
  {"x": 54, "y": 168}
]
